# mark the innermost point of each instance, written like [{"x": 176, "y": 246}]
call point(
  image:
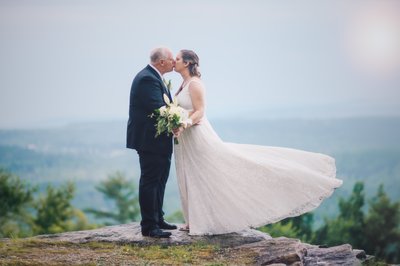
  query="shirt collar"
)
[{"x": 156, "y": 71}]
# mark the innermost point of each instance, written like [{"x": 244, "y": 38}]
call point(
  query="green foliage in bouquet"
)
[
  {"x": 170, "y": 117},
  {"x": 165, "y": 123}
]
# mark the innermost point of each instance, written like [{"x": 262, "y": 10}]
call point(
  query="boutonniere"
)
[{"x": 168, "y": 84}]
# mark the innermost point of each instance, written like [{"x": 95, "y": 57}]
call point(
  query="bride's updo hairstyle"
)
[{"x": 188, "y": 56}]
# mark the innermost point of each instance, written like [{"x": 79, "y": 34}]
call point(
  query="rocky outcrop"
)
[
  {"x": 131, "y": 234},
  {"x": 286, "y": 251},
  {"x": 266, "y": 250}
]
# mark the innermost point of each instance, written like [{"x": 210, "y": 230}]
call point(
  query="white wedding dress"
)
[{"x": 228, "y": 187}]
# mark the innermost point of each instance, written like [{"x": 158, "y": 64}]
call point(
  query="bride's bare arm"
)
[{"x": 197, "y": 96}]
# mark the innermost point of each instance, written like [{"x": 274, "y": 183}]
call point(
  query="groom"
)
[{"x": 154, "y": 153}]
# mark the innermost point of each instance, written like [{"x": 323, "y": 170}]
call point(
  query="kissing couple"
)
[{"x": 224, "y": 187}]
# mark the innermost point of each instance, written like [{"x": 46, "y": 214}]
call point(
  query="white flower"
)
[
  {"x": 173, "y": 110},
  {"x": 163, "y": 110},
  {"x": 170, "y": 117},
  {"x": 166, "y": 99}
]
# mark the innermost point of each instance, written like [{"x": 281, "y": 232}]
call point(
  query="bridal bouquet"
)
[{"x": 169, "y": 117}]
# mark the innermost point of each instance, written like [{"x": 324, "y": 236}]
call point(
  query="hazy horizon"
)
[
  {"x": 71, "y": 61},
  {"x": 65, "y": 123}
]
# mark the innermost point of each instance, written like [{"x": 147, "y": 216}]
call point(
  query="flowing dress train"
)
[{"x": 228, "y": 187}]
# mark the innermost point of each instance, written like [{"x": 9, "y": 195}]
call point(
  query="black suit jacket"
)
[{"x": 146, "y": 95}]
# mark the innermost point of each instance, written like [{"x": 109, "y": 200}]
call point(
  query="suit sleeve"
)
[{"x": 150, "y": 94}]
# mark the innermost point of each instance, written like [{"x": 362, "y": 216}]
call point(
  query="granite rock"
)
[{"x": 267, "y": 250}]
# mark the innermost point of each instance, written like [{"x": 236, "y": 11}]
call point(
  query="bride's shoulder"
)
[
  {"x": 196, "y": 83},
  {"x": 196, "y": 89}
]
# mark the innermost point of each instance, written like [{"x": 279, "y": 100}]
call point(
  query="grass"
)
[{"x": 45, "y": 252}]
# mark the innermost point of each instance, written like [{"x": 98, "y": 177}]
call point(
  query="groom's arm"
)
[{"x": 150, "y": 94}]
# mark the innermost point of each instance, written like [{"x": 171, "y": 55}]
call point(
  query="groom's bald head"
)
[
  {"x": 159, "y": 53},
  {"x": 162, "y": 58}
]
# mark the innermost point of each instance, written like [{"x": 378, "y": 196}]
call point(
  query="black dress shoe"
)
[
  {"x": 157, "y": 233},
  {"x": 166, "y": 226}
]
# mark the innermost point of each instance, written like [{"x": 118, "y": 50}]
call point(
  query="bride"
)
[{"x": 228, "y": 187}]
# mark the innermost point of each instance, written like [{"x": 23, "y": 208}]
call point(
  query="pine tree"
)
[
  {"x": 303, "y": 225},
  {"x": 55, "y": 212},
  {"x": 16, "y": 200},
  {"x": 349, "y": 225},
  {"x": 295, "y": 227},
  {"x": 124, "y": 194},
  {"x": 382, "y": 228}
]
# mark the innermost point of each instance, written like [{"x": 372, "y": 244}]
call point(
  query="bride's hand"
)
[{"x": 178, "y": 131}]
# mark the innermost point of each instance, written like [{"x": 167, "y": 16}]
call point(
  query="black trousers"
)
[{"x": 153, "y": 179}]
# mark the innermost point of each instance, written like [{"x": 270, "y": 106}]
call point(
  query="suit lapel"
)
[{"x": 165, "y": 89}]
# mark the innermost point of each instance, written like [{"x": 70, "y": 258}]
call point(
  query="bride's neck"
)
[{"x": 185, "y": 77}]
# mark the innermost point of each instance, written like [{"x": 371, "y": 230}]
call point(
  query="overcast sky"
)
[{"x": 66, "y": 60}]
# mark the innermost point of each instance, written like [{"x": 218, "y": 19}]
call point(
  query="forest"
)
[{"x": 81, "y": 176}]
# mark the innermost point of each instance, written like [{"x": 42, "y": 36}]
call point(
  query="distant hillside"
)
[{"x": 365, "y": 149}]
